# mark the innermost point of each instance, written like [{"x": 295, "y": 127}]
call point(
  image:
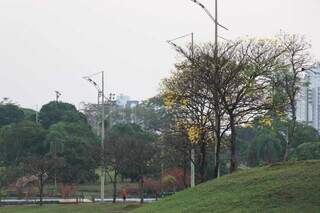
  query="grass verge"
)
[{"x": 286, "y": 187}]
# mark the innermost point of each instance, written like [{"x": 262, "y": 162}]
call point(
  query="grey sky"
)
[{"x": 49, "y": 45}]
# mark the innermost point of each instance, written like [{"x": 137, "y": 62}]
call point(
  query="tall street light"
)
[
  {"x": 98, "y": 98},
  {"x": 215, "y": 20},
  {"x": 192, "y": 166},
  {"x": 100, "y": 91},
  {"x": 217, "y": 24},
  {"x": 171, "y": 42}
]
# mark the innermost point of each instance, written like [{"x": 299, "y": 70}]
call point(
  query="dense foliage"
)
[{"x": 59, "y": 148}]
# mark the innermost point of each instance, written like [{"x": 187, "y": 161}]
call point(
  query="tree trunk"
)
[
  {"x": 161, "y": 182},
  {"x": 41, "y": 189},
  {"x": 290, "y": 132},
  {"x": 114, "y": 189},
  {"x": 217, "y": 158},
  {"x": 185, "y": 165},
  {"x": 141, "y": 189},
  {"x": 233, "y": 156},
  {"x": 218, "y": 142},
  {"x": 203, "y": 162}
]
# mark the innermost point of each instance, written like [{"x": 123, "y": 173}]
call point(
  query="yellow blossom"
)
[
  {"x": 194, "y": 134},
  {"x": 266, "y": 121}
]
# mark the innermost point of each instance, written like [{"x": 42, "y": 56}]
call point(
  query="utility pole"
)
[
  {"x": 193, "y": 176},
  {"x": 216, "y": 64},
  {"x": 193, "y": 181},
  {"x": 97, "y": 115},
  {"x": 101, "y": 93},
  {"x": 216, "y": 29},
  {"x": 192, "y": 153},
  {"x": 102, "y": 142}
]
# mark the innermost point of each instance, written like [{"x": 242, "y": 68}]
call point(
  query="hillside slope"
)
[{"x": 288, "y": 187}]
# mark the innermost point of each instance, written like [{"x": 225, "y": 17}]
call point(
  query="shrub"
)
[
  {"x": 67, "y": 190},
  {"x": 308, "y": 151}
]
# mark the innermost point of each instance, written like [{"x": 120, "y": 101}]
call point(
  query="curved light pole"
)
[
  {"x": 192, "y": 154},
  {"x": 215, "y": 20},
  {"x": 171, "y": 42},
  {"x": 100, "y": 92},
  {"x": 217, "y": 24}
]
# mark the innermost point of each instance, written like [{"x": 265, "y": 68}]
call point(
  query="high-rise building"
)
[
  {"x": 121, "y": 100},
  {"x": 308, "y": 103}
]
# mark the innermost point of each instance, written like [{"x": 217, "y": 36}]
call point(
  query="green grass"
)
[
  {"x": 290, "y": 187},
  {"x": 80, "y": 208}
]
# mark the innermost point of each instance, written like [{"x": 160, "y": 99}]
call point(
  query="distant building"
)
[
  {"x": 124, "y": 101},
  {"x": 132, "y": 104},
  {"x": 308, "y": 103},
  {"x": 121, "y": 100}
]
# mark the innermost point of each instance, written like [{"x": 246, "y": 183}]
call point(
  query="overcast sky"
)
[{"x": 48, "y": 45}]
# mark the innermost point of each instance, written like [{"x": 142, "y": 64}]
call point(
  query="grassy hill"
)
[{"x": 288, "y": 187}]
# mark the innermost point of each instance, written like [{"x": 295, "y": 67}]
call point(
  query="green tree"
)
[
  {"x": 55, "y": 112},
  {"x": 116, "y": 156},
  {"x": 75, "y": 143},
  {"x": 10, "y": 113},
  {"x": 261, "y": 144},
  {"x": 152, "y": 115},
  {"x": 21, "y": 140},
  {"x": 29, "y": 114},
  {"x": 308, "y": 151},
  {"x": 305, "y": 134},
  {"x": 3, "y": 181},
  {"x": 175, "y": 152},
  {"x": 139, "y": 151}
]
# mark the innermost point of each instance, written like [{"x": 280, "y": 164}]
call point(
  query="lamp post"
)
[
  {"x": 217, "y": 24},
  {"x": 192, "y": 154},
  {"x": 100, "y": 92}
]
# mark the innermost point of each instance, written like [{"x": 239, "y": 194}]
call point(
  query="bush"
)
[
  {"x": 170, "y": 182},
  {"x": 180, "y": 180},
  {"x": 67, "y": 190},
  {"x": 152, "y": 186},
  {"x": 308, "y": 151}
]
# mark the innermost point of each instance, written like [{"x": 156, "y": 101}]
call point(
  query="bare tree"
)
[
  {"x": 115, "y": 156},
  {"x": 41, "y": 168},
  {"x": 232, "y": 86},
  {"x": 297, "y": 60},
  {"x": 245, "y": 86}
]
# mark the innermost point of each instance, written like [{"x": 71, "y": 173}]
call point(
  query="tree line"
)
[
  {"x": 233, "y": 104},
  {"x": 53, "y": 147}
]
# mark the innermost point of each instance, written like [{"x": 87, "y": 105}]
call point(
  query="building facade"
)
[{"x": 308, "y": 103}]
